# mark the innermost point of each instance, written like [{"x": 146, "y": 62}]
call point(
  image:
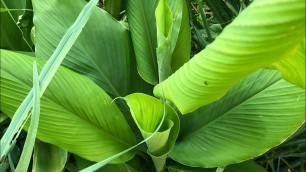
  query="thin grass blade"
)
[{"x": 26, "y": 154}]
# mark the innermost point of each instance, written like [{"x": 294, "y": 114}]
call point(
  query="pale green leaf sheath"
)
[
  {"x": 76, "y": 114},
  {"x": 147, "y": 112},
  {"x": 181, "y": 52},
  {"x": 165, "y": 33},
  {"x": 143, "y": 26},
  {"x": 259, "y": 113},
  {"x": 265, "y": 32},
  {"x": 172, "y": 31}
]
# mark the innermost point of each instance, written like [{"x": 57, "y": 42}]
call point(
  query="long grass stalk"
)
[{"x": 26, "y": 154}]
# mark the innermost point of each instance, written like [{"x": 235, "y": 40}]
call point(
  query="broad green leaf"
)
[
  {"x": 138, "y": 85},
  {"x": 11, "y": 35},
  {"x": 102, "y": 51},
  {"x": 142, "y": 21},
  {"x": 147, "y": 112},
  {"x": 256, "y": 115},
  {"x": 26, "y": 154},
  {"x": 293, "y": 68},
  {"x": 250, "y": 42},
  {"x": 76, "y": 114},
  {"x": 48, "y": 158},
  {"x": 46, "y": 75}
]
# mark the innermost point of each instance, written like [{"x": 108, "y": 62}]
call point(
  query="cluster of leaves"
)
[{"x": 235, "y": 110}]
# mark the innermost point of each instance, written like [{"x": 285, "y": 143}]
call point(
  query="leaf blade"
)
[
  {"x": 256, "y": 115},
  {"x": 68, "y": 119},
  {"x": 47, "y": 73},
  {"x": 147, "y": 113},
  {"x": 241, "y": 49},
  {"x": 143, "y": 31},
  {"x": 103, "y": 59}
]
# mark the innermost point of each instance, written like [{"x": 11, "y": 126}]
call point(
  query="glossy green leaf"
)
[
  {"x": 251, "y": 41},
  {"x": 293, "y": 68},
  {"x": 143, "y": 31},
  {"x": 91, "y": 128},
  {"x": 48, "y": 158},
  {"x": 256, "y": 115},
  {"x": 26, "y": 154},
  {"x": 147, "y": 112},
  {"x": 102, "y": 51}
]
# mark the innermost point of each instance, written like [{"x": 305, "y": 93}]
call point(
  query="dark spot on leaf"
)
[{"x": 205, "y": 82}]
